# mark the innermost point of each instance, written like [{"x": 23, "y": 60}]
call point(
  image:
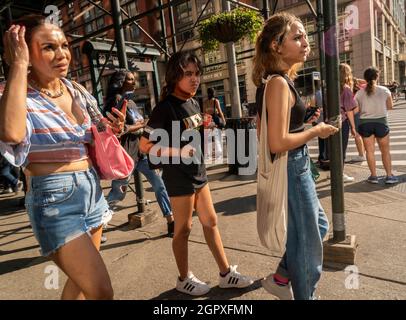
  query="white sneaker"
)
[
  {"x": 358, "y": 159},
  {"x": 347, "y": 179},
  {"x": 282, "y": 292},
  {"x": 234, "y": 279},
  {"x": 191, "y": 285}
]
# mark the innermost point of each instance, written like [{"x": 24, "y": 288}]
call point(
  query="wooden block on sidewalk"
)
[
  {"x": 340, "y": 252},
  {"x": 138, "y": 220}
]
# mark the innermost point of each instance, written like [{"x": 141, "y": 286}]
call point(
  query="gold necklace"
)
[{"x": 48, "y": 93}]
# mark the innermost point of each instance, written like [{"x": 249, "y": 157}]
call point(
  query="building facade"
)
[
  {"x": 79, "y": 18},
  {"x": 371, "y": 33}
]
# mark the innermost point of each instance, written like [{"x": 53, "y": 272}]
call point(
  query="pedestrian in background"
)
[
  {"x": 213, "y": 133},
  {"x": 187, "y": 184},
  {"x": 374, "y": 102},
  {"x": 280, "y": 48},
  {"x": 347, "y": 107},
  {"x": 121, "y": 86}
]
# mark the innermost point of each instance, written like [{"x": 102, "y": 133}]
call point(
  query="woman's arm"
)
[
  {"x": 389, "y": 103},
  {"x": 135, "y": 127},
  {"x": 350, "y": 115},
  {"x": 277, "y": 99},
  {"x": 146, "y": 146},
  {"x": 13, "y": 112}
]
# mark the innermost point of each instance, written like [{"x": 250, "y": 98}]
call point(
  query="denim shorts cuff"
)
[
  {"x": 282, "y": 272},
  {"x": 75, "y": 236}
]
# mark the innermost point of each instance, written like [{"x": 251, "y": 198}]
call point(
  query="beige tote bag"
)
[{"x": 272, "y": 190}]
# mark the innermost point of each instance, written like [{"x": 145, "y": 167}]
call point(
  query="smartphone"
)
[{"x": 310, "y": 112}]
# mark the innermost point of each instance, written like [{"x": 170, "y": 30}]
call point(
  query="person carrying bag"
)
[
  {"x": 272, "y": 215},
  {"x": 108, "y": 156}
]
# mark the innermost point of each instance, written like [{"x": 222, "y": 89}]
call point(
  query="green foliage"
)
[{"x": 230, "y": 26}]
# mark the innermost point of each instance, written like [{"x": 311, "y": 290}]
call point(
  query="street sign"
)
[{"x": 316, "y": 75}]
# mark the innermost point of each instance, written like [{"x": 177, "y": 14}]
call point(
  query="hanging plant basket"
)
[{"x": 229, "y": 26}]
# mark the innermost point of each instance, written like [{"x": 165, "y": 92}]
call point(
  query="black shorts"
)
[
  {"x": 377, "y": 129},
  {"x": 179, "y": 183}
]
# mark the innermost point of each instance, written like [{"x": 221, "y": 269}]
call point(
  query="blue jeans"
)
[
  {"x": 118, "y": 187},
  {"x": 6, "y": 172},
  {"x": 307, "y": 225}
]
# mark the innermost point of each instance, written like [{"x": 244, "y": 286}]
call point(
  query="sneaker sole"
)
[
  {"x": 193, "y": 294},
  {"x": 265, "y": 286},
  {"x": 234, "y": 286},
  {"x": 373, "y": 182}
]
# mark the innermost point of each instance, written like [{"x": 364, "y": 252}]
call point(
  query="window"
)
[
  {"x": 184, "y": 13},
  {"x": 131, "y": 8},
  {"x": 212, "y": 58},
  {"x": 143, "y": 79},
  {"x": 200, "y": 6}
]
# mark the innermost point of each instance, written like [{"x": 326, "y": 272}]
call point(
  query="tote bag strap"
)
[{"x": 265, "y": 160}]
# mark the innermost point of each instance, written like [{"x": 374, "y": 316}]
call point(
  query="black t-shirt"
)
[
  {"x": 298, "y": 111},
  {"x": 180, "y": 119}
]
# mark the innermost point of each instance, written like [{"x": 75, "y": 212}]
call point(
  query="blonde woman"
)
[
  {"x": 280, "y": 47},
  {"x": 347, "y": 107}
]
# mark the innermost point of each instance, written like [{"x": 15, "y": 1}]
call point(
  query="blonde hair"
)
[
  {"x": 266, "y": 60},
  {"x": 346, "y": 77}
]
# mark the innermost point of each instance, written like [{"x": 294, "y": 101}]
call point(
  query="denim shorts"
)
[
  {"x": 63, "y": 206},
  {"x": 377, "y": 129}
]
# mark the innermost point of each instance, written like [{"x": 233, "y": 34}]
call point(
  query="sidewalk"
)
[{"x": 141, "y": 264}]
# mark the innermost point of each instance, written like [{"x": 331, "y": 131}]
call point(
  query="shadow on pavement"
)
[
  {"x": 21, "y": 263},
  {"x": 236, "y": 205},
  {"x": 216, "y": 293},
  {"x": 126, "y": 243}
]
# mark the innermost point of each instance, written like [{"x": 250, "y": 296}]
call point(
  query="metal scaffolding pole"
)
[
  {"x": 173, "y": 30},
  {"x": 265, "y": 9},
  {"x": 333, "y": 98},
  {"x": 233, "y": 74},
  {"x": 322, "y": 56},
  {"x": 119, "y": 34},
  {"x": 163, "y": 26},
  {"x": 122, "y": 57}
]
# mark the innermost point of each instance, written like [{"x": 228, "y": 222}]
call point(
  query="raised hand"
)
[{"x": 15, "y": 47}]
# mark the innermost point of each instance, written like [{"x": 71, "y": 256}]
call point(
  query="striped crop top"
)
[{"x": 50, "y": 137}]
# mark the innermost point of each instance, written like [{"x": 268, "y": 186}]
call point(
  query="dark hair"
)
[
  {"x": 211, "y": 93},
  {"x": 31, "y": 22},
  {"x": 114, "y": 88},
  {"x": 370, "y": 75},
  {"x": 174, "y": 71}
]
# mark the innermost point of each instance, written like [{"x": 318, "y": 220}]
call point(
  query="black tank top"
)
[{"x": 297, "y": 113}]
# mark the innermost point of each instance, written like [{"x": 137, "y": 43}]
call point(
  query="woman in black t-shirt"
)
[{"x": 177, "y": 121}]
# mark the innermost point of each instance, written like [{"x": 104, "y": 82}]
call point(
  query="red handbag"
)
[{"x": 108, "y": 156}]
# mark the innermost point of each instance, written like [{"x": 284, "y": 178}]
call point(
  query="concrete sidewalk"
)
[{"x": 142, "y": 266}]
